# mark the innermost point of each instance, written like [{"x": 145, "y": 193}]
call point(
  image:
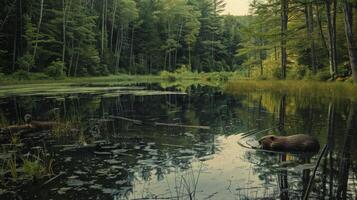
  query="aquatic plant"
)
[
  {"x": 38, "y": 164},
  {"x": 12, "y": 166},
  {"x": 33, "y": 168},
  {"x": 3, "y": 121},
  {"x": 185, "y": 184}
]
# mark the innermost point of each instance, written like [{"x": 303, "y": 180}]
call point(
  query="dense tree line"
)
[
  {"x": 98, "y": 37},
  {"x": 300, "y": 38},
  {"x": 280, "y": 38}
]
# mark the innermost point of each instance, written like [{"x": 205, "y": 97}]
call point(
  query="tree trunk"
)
[
  {"x": 113, "y": 22},
  {"x": 64, "y": 31},
  {"x": 103, "y": 27},
  {"x": 310, "y": 35},
  {"x": 38, "y": 30},
  {"x": 323, "y": 38},
  {"x": 351, "y": 43},
  {"x": 118, "y": 54},
  {"x": 71, "y": 60},
  {"x": 132, "y": 47},
  {"x": 332, "y": 39},
  {"x": 284, "y": 28}
]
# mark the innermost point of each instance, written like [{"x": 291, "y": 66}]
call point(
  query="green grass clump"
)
[
  {"x": 295, "y": 88},
  {"x": 34, "y": 169}
]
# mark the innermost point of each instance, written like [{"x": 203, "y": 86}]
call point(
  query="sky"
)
[{"x": 237, "y": 7}]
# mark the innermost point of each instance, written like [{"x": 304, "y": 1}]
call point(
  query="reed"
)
[{"x": 295, "y": 88}]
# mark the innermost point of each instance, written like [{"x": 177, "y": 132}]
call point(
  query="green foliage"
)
[
  {"x": 298, "y": 72},
  {"x": 26, "y": 62},
  {"x": 21, "y": 75},
  {"x": 12, "y": 166},
  {"x": 55, "y": 70},
  {"x": 39, "y": 76},
  {"x": 33, "y": 169},
  {"x": 146, "y": 37},
  {"x": 322, "y": 76},
  {"x": 167, "y": 75}
]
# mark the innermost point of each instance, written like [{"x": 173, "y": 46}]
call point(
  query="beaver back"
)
[{"x": 293, "y": 143}]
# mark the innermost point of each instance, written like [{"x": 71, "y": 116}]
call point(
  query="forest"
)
[
  {"x": 178, "y": 99},
  {"x": 279, "y": 39}
]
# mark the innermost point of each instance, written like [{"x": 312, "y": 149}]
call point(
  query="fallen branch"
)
[
  {"x": 139, "y": 122},
  {"x": 127, "y": 119},
  {"x": 182, "y": 126},
  {"x": 306, "y": 196},
  {"x": 249, "y": 133},
  {"x": 53, "y": 178}
]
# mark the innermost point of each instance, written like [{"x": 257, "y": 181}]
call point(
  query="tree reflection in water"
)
[{"x": 127, "y": 159}]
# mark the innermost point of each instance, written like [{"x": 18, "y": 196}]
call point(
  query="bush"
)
[
  {"x": 183, "y": 69},
  {"x": 21, "y": 75},
  {"x": 26, "y": 62},
  {"x": 34, "y": 169},
  {"x": 38, "y": 76},
  {"x": 276, "y": 72},
  {"x": 298, "y": 72},
  {"x": 55, "y": 70},
  {"x": 167, "y": 75},
  {"x": 322, "y": 76}
]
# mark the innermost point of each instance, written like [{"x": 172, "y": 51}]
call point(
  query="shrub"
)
[
  {"x": 183, "y": 69},
  {"x": 276, "y": 72},
  {"x": 167, "y": 75},
  {"x": 2, "y": 76},
  {"x": 26, "y": 62},
  {"x": 298, "y": 72},
  {"x": 33, "y": 169},
  {"x": 38, "y": 76},
  {"x": 55, "y": 70},
  {"x": 21, "y": 75},
  {"x": 322, "y": 76}
]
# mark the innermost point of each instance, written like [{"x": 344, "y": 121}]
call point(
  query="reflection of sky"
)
[
  {"x": 237, "y": 7},
  {"x": 221, "y": 177}
]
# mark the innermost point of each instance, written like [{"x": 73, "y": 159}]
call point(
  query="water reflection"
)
[{"x": 111, "y": 158}]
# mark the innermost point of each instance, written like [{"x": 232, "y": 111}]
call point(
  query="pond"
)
[{"x": 152, "y": 141}]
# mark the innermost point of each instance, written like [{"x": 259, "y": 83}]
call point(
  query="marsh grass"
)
[
  {"x": 37, "y": 165},
  {"x": 123, "y": 78},
  {"x": 295, "y": 88},
  {"x": 63, "y": 128},
  {"x": 3, "y": 121},
  {"x": 31, "y": 166},
  {"x": 185, "y": 184},
  {"x": 11, "y": 164}
]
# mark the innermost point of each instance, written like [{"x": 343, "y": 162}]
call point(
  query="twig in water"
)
[
  {"x": 53, "y": 178},
  {"x": 139, "y": 122},
  {"x": 127, "y": 119},
  {"x": 306, "y": 196},
  {"x": 257, "y": 132}
]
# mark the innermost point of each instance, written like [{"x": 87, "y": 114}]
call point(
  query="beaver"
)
[
  {"x": 29, "y": 126},
  {"x": 39, "y": 125},
  {"x": 292, "y": 143}
]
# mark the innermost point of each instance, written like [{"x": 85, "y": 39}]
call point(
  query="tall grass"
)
[
  {"x": 80, "y": 80},
  {"x": 295, "y": 88}
]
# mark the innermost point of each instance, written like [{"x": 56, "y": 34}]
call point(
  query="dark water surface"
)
[{"x": 105, "y": 157}]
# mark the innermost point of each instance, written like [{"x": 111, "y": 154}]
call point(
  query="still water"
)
[{"x": 150, "y": 142}]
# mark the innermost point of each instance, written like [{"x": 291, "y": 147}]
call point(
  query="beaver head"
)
[
  {"x": 28, "y": 118},
  {"x": 267, "y": 141}
]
